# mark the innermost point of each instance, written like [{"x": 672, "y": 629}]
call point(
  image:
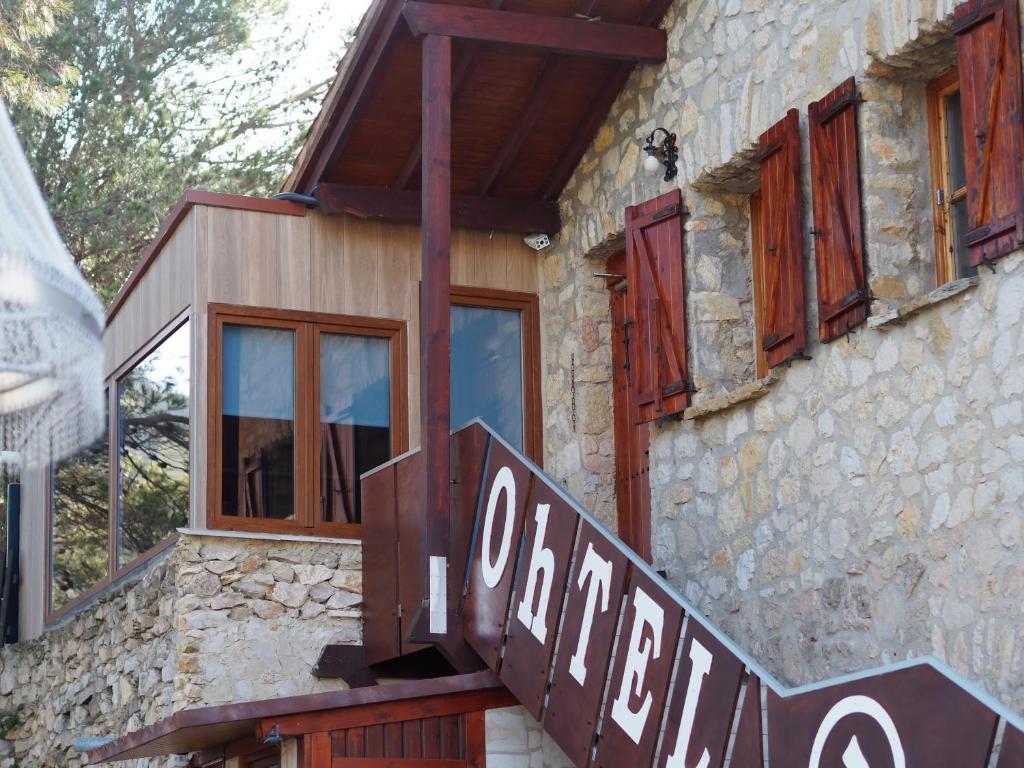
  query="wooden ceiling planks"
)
[{"x": 521, "y": 119}]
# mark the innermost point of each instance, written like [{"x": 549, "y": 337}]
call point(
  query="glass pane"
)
[
  {"x": 955, "y": 143},
  {"x": 959, "y": 244},
  {"x": 81, "y": 522},
  {"x": 258, "y": 423},
  {"x": 355, "y": 419},
  {"x": 487, "y": 369},
  {"x": 153, "y": 414}
]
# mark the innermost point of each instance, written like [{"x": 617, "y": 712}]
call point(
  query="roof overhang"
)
[
  {"x": 207, "y": 728},
  {"x": 532, "y": 82}
]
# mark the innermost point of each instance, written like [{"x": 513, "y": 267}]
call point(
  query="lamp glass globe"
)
[{"x": 651, "y": 164}]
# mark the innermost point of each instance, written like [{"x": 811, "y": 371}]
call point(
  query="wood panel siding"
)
[
  {"x": 249, "y": 251},
  {"x": 338, "y": 265},
  {"x": 162, "y": 293}
]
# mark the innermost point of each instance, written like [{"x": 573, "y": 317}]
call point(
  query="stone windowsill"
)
[
  {"x": 943, "y": 293},
  {"x": 743, "y": 394},
  {"x": 264, "y": 536}
]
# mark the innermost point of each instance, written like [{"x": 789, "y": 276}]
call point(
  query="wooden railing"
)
[{"x": 621, "y": 669}]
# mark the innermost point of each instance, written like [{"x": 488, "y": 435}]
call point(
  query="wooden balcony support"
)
[
  {"x": 467, "y": 211},
  {"x": 435, "y": 322},
  {"x": 579, "y": 37}
]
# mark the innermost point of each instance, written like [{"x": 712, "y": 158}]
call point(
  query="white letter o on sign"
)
[{"x": 493, "y": 571}]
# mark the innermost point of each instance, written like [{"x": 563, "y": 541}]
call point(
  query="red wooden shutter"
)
[
  {"x": 656, "y": 311},
  {"x": 988, "y": 42},
  {"x": 783, "y": 328},
  {"x": 835, "y": 190}
]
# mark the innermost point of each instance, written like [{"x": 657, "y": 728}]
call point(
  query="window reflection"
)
[
  {"x": 153, "y": 420},
  {"x": 355, "y": 419},
  {"x": 258, "y": 422},
  {"x": 81, "y": 522},
  {"x": 487, "y": 369}
]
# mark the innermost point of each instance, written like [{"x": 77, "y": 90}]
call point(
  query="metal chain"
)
[{"x": 572, "y": 388}]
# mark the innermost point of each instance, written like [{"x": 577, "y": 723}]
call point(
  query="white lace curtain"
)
[{"x": 51, "y": 356}]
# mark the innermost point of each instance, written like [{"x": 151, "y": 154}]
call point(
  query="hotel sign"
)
[{"x": 622, "y": 672}]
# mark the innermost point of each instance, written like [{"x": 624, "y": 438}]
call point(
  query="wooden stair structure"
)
[{"x": 619, "y": 668}]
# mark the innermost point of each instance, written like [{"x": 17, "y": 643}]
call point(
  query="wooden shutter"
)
[
  {"x": 781, "y": 267},
  {"x": 988, "y": 42},
  {"x": 656, "y": 310},
  {"x": 835, "y": 191}
]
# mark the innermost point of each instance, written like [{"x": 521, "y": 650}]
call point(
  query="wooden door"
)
[{"x": 632, "y": 460}]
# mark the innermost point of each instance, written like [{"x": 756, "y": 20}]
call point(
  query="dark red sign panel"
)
[
  {"x": 596, "y": 643},
  {"x": 596, "y": 586},
  {"x": 703, "y": 702},
  {"x": 537, "y": 598},
  {"x": 908, "y": 717},
  {"x": 640, "y": 676},
  {"x": 1011, "y": 755},
  {"x": 506, "y": 489},
  {"x": 748, "y": 747}
]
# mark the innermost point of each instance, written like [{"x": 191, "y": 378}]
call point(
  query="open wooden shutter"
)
[
  {"x": 656, "y": 311},
  {"x": 988, "y": 42},
  {"x": 783, "y": 327},
  {"x": 835, "y": 190}
]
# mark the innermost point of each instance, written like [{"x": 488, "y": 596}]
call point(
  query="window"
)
[
  {"x": 949, "y": 178},
  {"x": 79, "y": 524},
  {"x": 304, "y": 404},
  {"x": 494, "y": 364},
  {"x": 153, "y": 448},
  {"x": 145, "y": 482}
]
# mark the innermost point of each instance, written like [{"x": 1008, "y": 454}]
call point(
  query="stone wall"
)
[
  {"x": 216, "y": 619},
  {"x": 866, "y": 508}
]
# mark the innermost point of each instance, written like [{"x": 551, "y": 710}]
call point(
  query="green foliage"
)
[
  {"x": 29, "y": 74},
  {"x": 171, "y": 94}
]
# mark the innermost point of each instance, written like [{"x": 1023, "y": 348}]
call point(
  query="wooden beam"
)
[
  {"x": 463, "y": 67},
  {"x": 540, "y": 95},
  {"x": 435, "y": 317},
  {"x": 366, "y": 57},
  {"x": 468, "y": 211},
  {"x": 552, "y": 33}
]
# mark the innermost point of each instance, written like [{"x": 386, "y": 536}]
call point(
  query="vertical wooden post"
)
[{"x": 435, "y": 322}]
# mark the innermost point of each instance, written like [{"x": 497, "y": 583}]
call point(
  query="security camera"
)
[{"x": 538, "y": 242}]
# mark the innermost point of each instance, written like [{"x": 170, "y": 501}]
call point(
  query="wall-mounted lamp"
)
[
  {"x": 661, "y": 153},
  {"x": 274, "y": 736}
]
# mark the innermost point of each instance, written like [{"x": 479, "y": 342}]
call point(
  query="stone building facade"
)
[
  {"x": 857, "y": 508},
  {"x": 218, "y": 619},
  {"x": 850, "y": 510}
]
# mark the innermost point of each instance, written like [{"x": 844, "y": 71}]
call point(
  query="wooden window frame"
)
[
  {"x": 50, "y": 616},
  {"x": 307, "y": 327},
  {"x": 942, "y": 215},
  {"x": 528, "y": 305}
]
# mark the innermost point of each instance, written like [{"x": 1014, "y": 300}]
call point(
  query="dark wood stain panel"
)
[
  {"x": 486, "y": 608},
  {"x": 615, "y": 748},
  {"x": 381, "y": 627},
  {"x": 922, "y": 704},
  {"x": 784, "y": 328},
  {"x": 748, "y": 748},
  {"x": 838, "y": 231},
  {"x": 572, "y": 709},
  {"x": 716, "y": 699},
  {"x": 527, "y": 661},
  {"x": 1011, "y": 754}
]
